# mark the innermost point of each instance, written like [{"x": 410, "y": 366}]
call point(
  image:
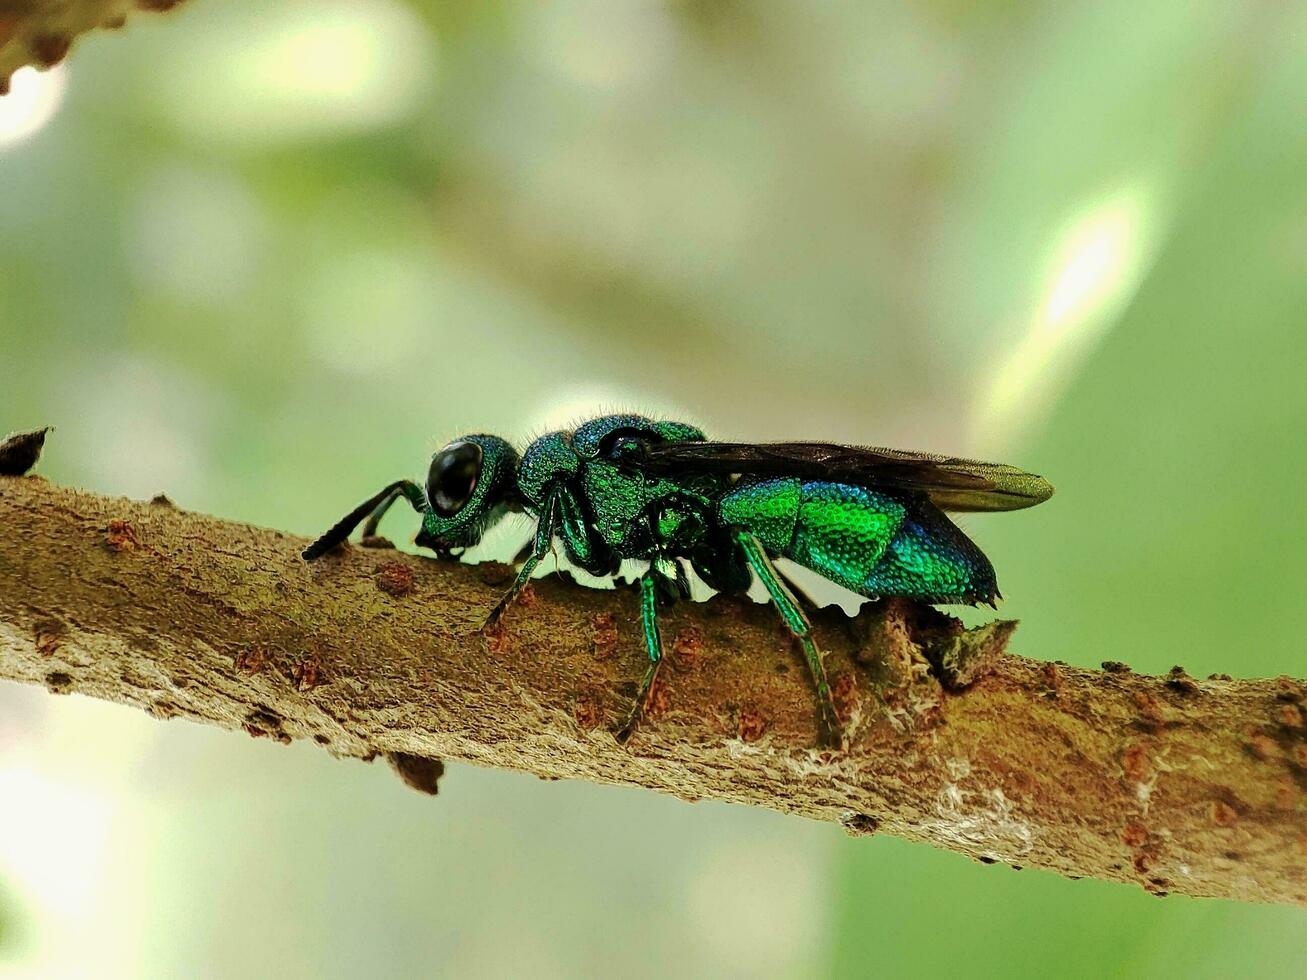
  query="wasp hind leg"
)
[
  {"x": 792, "y": 613},
  {"x": 801, "y": 595}
]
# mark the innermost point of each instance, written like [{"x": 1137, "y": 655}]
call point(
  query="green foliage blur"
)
[{"x": 266, "y": 258}]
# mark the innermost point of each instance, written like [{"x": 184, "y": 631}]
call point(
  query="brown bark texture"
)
[{"x": 1172, "y": 783}]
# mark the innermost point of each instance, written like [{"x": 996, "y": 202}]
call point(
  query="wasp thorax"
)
[{"x": 453, "y": 477}]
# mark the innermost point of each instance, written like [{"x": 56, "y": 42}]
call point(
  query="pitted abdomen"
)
[
  {"x": 836, "y": 529},
  {"x": 843, "y": 531},
  {"x": 767, "y": 508},
  {"x": 871, "y": 542}
]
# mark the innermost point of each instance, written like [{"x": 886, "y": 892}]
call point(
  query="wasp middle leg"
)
[{"x": 664, "y": 578}]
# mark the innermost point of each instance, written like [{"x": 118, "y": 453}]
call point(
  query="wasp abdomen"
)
[{"x": 869, "y": 541}]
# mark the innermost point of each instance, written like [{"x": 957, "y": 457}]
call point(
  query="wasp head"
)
[{"x": 469, "y": 487}]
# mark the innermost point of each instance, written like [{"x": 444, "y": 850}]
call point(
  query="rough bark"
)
[
  {"x": 41, "y": 32},
  {"x": 1172, "y": 783}
]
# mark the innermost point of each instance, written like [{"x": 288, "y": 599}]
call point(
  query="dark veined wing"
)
[{"x": 951, "y": 483}]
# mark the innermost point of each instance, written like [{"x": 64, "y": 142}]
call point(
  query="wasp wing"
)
[{"x": 951, "y": 483}]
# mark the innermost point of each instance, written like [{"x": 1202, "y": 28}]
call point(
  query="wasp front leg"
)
[
  {"x": 411, "y": 492},
  {"x": 373, "y": 509},
  {"x": 650, "y": 583}
]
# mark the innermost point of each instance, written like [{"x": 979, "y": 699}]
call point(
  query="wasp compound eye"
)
[{"x": 453, "y": 477}]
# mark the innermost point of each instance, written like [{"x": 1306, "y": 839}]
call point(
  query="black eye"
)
[{"x": 453, "y": 477}]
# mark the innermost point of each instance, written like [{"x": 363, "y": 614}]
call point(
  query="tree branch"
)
[
  {"x": 40, "y": 32},
  {"x": 1172, "y": 783}
]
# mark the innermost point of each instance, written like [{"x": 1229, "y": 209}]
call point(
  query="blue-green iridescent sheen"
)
[
  {"x": 653, "y": 642},
  {"x": 930, "y": 559},
  {"x": 588, "y": 439},
  {"x": 588, "y": 489},
  {"x": 875, "y": 542},
  {"x": 499, "y": 466},
  {"x": 872, "y": 542},
  {"x": 768, "y": 508},
  {"x": 843, "y": 531},
  {"x": 581, "y": 541},
  {"x": 549, "y": 459},
  {"x": 639, "y": 515}
]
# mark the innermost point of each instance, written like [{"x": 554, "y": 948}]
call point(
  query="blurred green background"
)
[{"x": 264, "y": 257}]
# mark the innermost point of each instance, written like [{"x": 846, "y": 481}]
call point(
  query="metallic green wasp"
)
[{"x": 627, "y": 487}]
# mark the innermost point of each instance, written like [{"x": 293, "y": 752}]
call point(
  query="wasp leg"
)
[
  {"x": 543, "y": 539},
  {"x": 723, "y": 567},
  {"x": 801, "y": 595},
  {"x": 682, "y": 581},
  {"x": 412, "y": 493},
  {"x": 794, "y": 618},
  {"x": 810, "y": 605},
  {"x": 653, "y": 643},
  {"x": 375, "y": 505},
  {"x": 524, "y": 552}
]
